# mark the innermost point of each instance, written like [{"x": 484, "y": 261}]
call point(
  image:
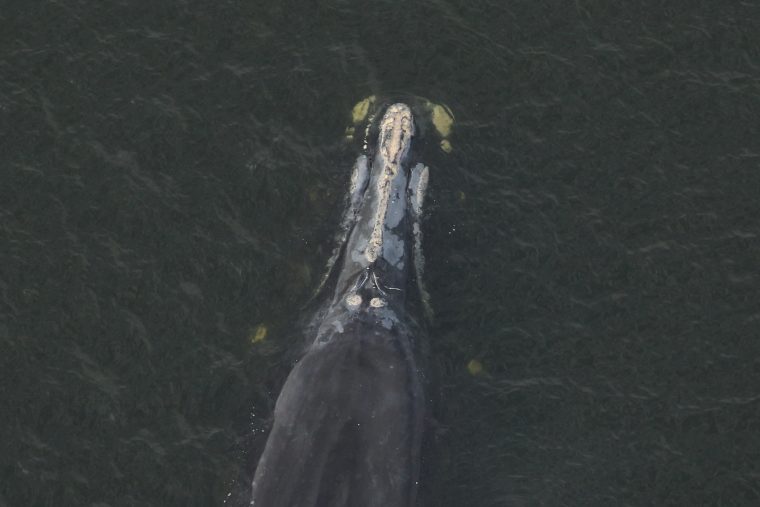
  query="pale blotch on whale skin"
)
[
  {"x": 418, "y": 188},
  {"x": 353, "y": 300}
]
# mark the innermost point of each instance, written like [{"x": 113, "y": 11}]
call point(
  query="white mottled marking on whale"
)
[
  {"x": 396, "y": 130},
  {"x": 353, "y": 300}
]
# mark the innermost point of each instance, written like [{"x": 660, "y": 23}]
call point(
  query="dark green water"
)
[{"x": 171, "y": 175}]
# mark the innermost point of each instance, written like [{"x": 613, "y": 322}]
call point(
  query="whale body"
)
[{"x": 348, "y": 422}]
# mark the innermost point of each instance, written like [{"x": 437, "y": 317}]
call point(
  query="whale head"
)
[{"x": 380, "y": 260}]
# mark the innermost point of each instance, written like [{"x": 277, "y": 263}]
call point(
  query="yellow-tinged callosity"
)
[
  {"x": 443, "y": 119},
  {"x": 475, "y": 367},
  {"x": 360, "y": 110},
  {"x": 259, "y": 334}
]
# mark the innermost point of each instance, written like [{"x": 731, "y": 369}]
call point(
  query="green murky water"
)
[{"x": 171, "y": 175}]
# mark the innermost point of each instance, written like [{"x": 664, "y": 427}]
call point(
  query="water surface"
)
[{"x": 171, "y": 176}]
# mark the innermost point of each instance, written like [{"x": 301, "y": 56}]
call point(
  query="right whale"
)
[{"x": 348, "y": 422}]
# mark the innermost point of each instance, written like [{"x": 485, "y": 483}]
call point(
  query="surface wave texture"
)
[{"x": 171, "y": 177}]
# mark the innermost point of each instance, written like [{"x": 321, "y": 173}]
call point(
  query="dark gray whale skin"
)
[{"x": 348, "y": 422}]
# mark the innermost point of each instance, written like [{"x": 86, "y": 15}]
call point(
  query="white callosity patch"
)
[
  {"x": 396, "y": 130},
  {"x": 353, "y": 300},
  {"x": 417, "y": 189},
  {"x": 377, "y": 303},
  {"x": 359, "y": 177}
]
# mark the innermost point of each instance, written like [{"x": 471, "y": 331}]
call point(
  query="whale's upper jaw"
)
[
  {"x": 382, "y": 247},
  {"x": 387, "y": 192}
]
